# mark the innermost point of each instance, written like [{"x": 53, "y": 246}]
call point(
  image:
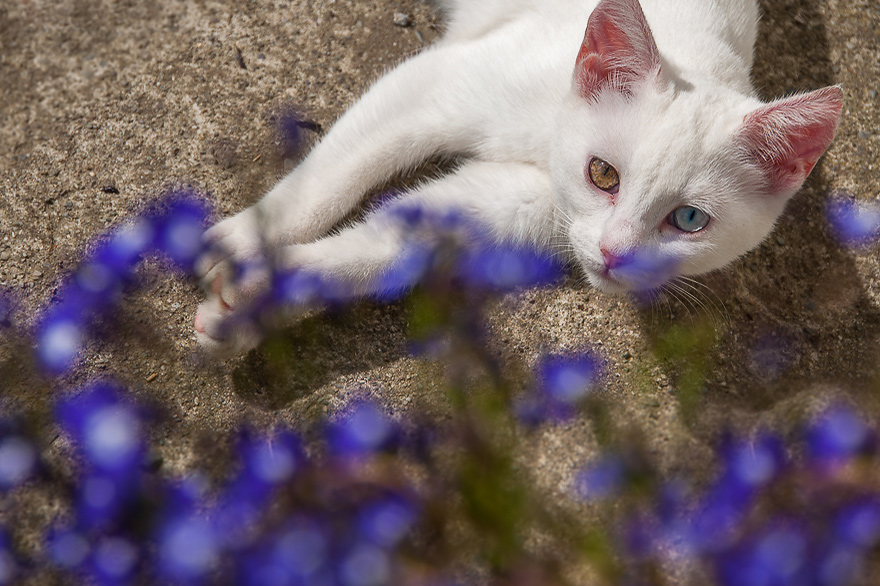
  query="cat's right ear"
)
[
  {"x": 618, "y": 49},
  {"x": 787, "y": 137}
]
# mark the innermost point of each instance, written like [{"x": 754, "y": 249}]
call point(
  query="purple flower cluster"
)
[
  {"x": 768, "y": 518},
  {"x": 282, "y": 518},
  {"x": 172, "y": 229}
]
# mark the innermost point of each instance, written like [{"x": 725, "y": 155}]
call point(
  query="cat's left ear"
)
[
  {"x": 787, "y": 137},
  {"x": 618, "y": 49}
]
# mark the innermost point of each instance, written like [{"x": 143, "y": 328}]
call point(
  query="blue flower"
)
[
  {"x": 101, "y": 499},
  {"x": 297, "y": 554},
  {"x": 189, "y": 549},
  {"x": 68, "y": 548},
  {"x": 363, "y": 430},
  {"x": 290, "y": 126},
  {"x": 646, "y": 270},
  {"x": 266, "y": 463},
  {"x": 385, "y": 522},
  {"x": 18, "y": 460},
  {"x": 114, "y": 561},
  {"x": 858, "y": 523},
  {"x": 568, "y": 380},
  {"x": 564, "y": 382},
  {"x": 778, "y": 556},
  {"x": 839, "y": 565},
  {"x": 852, "y": 223},
  {"x": 507, "y": 267},
  {"x": 365, "y": 564},
  {"x": 126, "y": 245},
  {"x": 5, "y": 311},
  {"x": 838, "y": 435},
  {"x": 305, "y": 289},
  {"x": 107, "y": 428},
  {"x": 752, "y": 464},
  {"x": 9, "y": 567},
  {"x": 602, "y": 480},
  {"x": 749, "y": 466},
  {"x": 60, "y": 338},
  {"x": 404, "y": 274},
  {"x": 179, "y": 229}
]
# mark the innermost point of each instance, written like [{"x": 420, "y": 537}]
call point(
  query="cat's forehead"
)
[{"x": 667, "y": 143}]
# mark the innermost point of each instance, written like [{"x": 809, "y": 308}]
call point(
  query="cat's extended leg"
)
[
  {"x": 510, "y": 201},
  {"x": 402, "y": 120}
]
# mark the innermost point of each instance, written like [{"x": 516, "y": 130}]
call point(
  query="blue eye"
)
[{"x": 689, "y": 219}]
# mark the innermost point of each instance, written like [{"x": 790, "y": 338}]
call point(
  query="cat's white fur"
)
[{"x": 660, "y": 89}]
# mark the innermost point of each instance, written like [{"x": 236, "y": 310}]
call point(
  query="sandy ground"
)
[{"x": 104, "y": 104}]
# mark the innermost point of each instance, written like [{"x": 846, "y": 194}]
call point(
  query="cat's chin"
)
[{"x": 607, "y": 283}]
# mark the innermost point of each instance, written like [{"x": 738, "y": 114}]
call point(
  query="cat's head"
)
[{"x": 656, "y": 176}]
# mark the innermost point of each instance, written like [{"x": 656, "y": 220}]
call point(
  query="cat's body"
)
[{"x": 624, "y": 153}]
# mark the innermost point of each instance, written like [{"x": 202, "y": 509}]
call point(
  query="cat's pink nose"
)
[{"x": 611, "y": 261}]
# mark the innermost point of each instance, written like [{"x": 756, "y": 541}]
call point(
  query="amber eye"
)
[{"x": 604, "y": 176}]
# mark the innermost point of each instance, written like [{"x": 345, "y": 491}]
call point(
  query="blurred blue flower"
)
[
  {"x": 779, "y": 556},
  {"x": 838, "y": 435},
  {"x": 752, "y": 464},
  {"x": 9, "y": 567},
  {"x": 364, "y": 429},
  {"x": 179, "y": 229},
  {"x": 273, "y": 460},
  {"x": 645, "y": 270},
  {"x": 102, "y": 498},
  {"x": 107, "y": 428},
  {"x": 854, "y": 224},
  {"x": 385, "y": 522},
  {"x": 126, "y": 245},
  {"x": 18, "y": 460},
  {"x": 298, "y": 288},
  {"x": 568, "y": 380},
  {"x": 604, "y": 479},
  {"x": 114, "y": 561},
  {"x": 365, "y": 564},
  {"x": 266, "y": 463},
  {"x": 404, "y": 274},
  {"x": 5, "y": 311},
  {"x": 67, "y": 548},
  {"x": 563, "y": 383},
  {"x": 839, "y": 565},
  {"x": 189, "y": 549},
  {"x": 60, "y": 338},
  {"x": 297, "y": 555},
  {"x": 290, "y": 126},
  {"x": 507, "y": 267},
  {"x": 858, "y": 523}
]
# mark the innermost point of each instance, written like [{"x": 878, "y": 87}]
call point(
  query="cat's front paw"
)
[
  {"x": 238, "y": 237},
  {"x": 229, "y": 321},
  {"x": 235, "y": 274},
  {"x": 221, "y": 333}
]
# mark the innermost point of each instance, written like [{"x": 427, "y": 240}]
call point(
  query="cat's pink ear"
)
[
  {"x": 787, "y": 137},
  {"x": 618, "y": 49}
]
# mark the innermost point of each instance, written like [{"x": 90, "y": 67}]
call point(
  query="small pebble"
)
[
  {"x": 402, "y": 19},
  {"x": 864, "y": 134}
]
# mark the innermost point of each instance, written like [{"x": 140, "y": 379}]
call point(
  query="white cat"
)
[{"x": 640, "y": 149}]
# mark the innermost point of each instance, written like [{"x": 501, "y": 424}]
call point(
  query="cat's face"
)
[
  {"x": 652, "y": 186},
  {"x": 656, "y": 178}
]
